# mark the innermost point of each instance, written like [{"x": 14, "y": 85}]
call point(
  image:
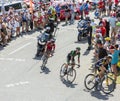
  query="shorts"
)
[
  {"x": 67, "y": 14},
  {"x": 110, "y": 7},
  {"x": 113, "y": 29}
]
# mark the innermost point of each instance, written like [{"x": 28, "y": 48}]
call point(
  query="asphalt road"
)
[{"x": 21, "y": 78}]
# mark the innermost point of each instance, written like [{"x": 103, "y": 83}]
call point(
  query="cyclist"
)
[
  {"x": 103, "y": 65},
  {"x": 50, "y": 47},
  {"x": 71, "y": 56}
]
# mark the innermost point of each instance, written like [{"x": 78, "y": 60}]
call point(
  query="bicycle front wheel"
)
[
  {"x": 71, "y": 75},
  {"x": 107, "y": 85},
  {"x": 44, "y": 62},
  {"x": 90, "y": 81},
  {"x": 63, "y": 70}
]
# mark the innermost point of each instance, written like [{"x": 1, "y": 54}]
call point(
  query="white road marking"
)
[
  {"x": 17, "y": 84},
  {"x": 30, "y": 37},
  {"x": 18, "y": 49},
  {"x": 68, "y": 28},
  {"x": 12, "y": 59}
]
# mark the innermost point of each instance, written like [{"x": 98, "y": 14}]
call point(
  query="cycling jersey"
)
[
  {"x": 72, "y": 55},
  {"x": 50, "y": 46},
  {"x": 102, "y": 62}
]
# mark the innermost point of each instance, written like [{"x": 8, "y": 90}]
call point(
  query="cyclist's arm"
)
[
  {"x": 53, "y": 47},
  {"x": 79, "y": 58}
]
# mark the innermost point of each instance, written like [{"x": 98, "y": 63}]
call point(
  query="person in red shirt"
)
[
  {"x": 50, "y": 47},
  {"x": 103, "y": 30},
  {"x": 116, "y": 2},
  {"x": 100, "y": 5}
]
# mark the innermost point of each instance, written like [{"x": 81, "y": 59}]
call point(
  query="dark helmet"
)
[{"x": 78, "y": 48}]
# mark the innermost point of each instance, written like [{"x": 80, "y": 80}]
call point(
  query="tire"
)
[
  {"x": 90, "y": 81},
  {"x": 71, "y": 75},
  {"x": 79, "y": 38},
  {"x": 109, "y": 87},
  {"x": 62, "y": 70},
  {"x": 44, "y": 62}
]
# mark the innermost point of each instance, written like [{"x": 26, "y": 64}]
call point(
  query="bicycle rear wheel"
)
[
  {"x": 71, "y": 75},
  {"x": 90, "y": 81},
  {"x": 63, "y": 70},
  {"x": 107, "y": 85},
  {"x": 44, "y": 62}
]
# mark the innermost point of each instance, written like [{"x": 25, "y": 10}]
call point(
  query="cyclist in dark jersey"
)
[
  {"x": 103, "y": 65},
  {"x": 71, "y": 56}
]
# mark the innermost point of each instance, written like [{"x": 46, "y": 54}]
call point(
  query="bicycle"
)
[
  {"x": 69, "y": 71},
  {"x": 44, "y": 60},
  {"x": 106, "y": 83}
]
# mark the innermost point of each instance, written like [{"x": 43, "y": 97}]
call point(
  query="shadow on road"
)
[
  {"x": 64, "y": 25},
  {"x": 83, "y": 41},
  {"x": 45, "y": 70},
  {"x": 1, "y": 48},
  {"x": 86, "y": 52},
  {"x": 93, "y": 60},
  {"x": 67, "y": 83},
  {"x": 100, "y": 96},
  {"x": 37, "y": 58}
]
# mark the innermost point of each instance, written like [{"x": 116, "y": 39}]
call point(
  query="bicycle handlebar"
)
[{"x": 74, "y": 64}]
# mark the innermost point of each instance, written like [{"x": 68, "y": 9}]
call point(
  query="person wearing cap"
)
[{"x": 107, "y": 43}]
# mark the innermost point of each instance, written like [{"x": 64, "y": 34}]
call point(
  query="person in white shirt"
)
[{"x": 17, "y": 24}]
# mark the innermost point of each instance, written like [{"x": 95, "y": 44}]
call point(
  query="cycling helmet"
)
[
  {"x": 47, "y": 28},
  {"x": 78, "y": 48},
  {"x": 109, "y": 56}
]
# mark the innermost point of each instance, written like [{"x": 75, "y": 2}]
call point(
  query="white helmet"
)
[{"x": 47, "y": 28}]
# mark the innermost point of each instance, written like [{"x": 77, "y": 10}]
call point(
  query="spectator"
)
[
  {"x": 107, "y": 27},
  {"x": 101, "y": 51},
  {"x": 86, "y": 8},
  {"x": 67, "y": 11},
  {"x": 31, "y": 21},
  {"x": 89, "y": 35},
  {"x": 57, "y": 8},
  {"x": 72, "y": 13},
  {"x": 112, "y": 21},
  {"x": 81, "y": 10},
  {"x": 17, "y": 24},
  {"x": 103, "y": 30},
  {"x": 115, "y": 57}
]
